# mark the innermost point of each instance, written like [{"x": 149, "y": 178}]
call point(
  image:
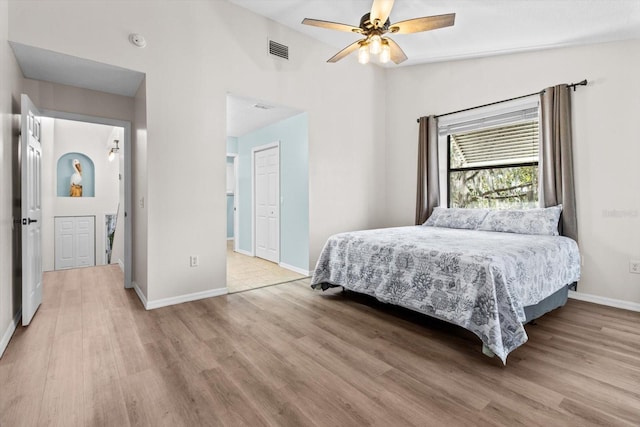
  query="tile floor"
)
[{"x": 245, "y": 272}]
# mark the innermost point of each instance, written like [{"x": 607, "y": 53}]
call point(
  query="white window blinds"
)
[{"x": 509, "y": 144}]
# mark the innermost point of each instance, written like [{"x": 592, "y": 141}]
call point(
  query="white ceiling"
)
[
  {"x": 482, "y": 28},
  {"x": 243, "y": 117},
  {"x": 42, "y": 64}
]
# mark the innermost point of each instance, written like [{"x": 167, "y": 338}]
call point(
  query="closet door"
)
[
  {"x": 64, "y": 250},
  {"x": 267, "y": 203},
  {"x": 75, "y": 242},
  {"x": 85, "y": 241}
]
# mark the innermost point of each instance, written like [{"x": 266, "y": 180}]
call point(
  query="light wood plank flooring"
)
[{"x": 288, "y": 356}]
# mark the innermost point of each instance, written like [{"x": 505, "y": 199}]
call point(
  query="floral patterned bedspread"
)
[{"x": 480, "y": 280}]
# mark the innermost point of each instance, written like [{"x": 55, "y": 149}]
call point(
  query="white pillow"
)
[
  {"x": 465, "y": 218},
  {"x": 542, "y": 221}
]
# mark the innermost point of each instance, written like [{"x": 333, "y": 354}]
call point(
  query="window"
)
[{"x": 495, "y": 166}]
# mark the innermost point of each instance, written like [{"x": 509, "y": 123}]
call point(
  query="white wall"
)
[
  {"x": 186, "y": 85},
  {"x": 605, "y": 139},
  {"x": 93, "y": 140},
  {"x": 69, "y": 99},
  {"x": 10, "y": 87}
]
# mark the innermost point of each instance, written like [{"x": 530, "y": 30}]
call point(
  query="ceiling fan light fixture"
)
[
  {"x": 363, "y": 53},
  {"x": 385, "y": 52},
  {"x": 375, "y": 44},
  {"x": 374, "y": 25}
]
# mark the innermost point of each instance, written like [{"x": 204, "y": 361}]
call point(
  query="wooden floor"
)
[{"x": 288, "y": 356}]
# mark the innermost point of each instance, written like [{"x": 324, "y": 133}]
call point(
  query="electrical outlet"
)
[
  {"x": 193, "y": 261},
  {"x": 634, "y": 267}
]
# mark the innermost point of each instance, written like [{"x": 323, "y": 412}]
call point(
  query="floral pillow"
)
[
  {"x": 456, "y": 218},
  {"x": 542, "y": 221}
]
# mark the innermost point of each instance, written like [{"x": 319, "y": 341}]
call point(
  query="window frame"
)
[{"x": 482, "y": 117}]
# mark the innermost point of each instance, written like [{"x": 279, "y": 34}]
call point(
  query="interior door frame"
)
[
  {"x": 236, "y": 205},
  {"x": 254, "y": 150},
  {"x": 127, "y": 176}
]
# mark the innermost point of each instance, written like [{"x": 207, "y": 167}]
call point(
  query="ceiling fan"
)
[{"x": 374, "y": 25}]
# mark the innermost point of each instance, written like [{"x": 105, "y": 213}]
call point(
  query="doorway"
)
[
  {"x": 82, "y": 167},
  {"x": 42, "y": 68},
  {"x": 104, "y": 146},
  {"x": 268, "y": 210}
]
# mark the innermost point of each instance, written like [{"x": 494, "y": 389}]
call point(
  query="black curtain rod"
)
[{"x": 571, "y": 85}]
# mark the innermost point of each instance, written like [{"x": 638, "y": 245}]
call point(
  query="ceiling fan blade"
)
[
  {"x": 426, "y": 23},
  {"x": 397, "y": 54},
  {"x": 380, "y": 11},
  {"x": 331, "y": 25},
  {"x": 344, "y": 52}
]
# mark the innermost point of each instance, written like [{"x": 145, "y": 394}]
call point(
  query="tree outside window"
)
[{"x": 494, "y": 168}]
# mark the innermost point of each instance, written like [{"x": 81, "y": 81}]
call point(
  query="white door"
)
[
  {"x": 30, "y": 188},
  {"x": 266, "y": 202},
  {"x": 74, "y": 242}
]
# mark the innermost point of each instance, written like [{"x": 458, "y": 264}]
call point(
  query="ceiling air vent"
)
[{"x": 279, "y": 50}]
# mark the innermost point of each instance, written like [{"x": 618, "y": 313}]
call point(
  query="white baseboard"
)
[
  {"x": 230, "y": 238},
  {"x": 163, "y": 302},
  {"x": 294, "y": 269},
  {"x": 9, "y": 332},
  {"x": 243, "y": 252},
  {"x": 143, "y": 299},
  {"x": 627, "y": 305},
  {"x": 121, "y": 264}
]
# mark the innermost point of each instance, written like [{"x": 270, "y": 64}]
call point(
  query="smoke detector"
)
[{"x": 137, "y": 40}]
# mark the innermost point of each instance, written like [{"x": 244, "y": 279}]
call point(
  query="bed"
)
[{"x": 488, "y": 282}]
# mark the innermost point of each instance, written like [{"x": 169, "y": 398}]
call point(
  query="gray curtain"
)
[
  {"x": 428, "y": 196},
  {"x": 556, "y": 169}
]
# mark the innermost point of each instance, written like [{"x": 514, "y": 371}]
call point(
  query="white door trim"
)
[
  {"x": 236, "y": 205},
  {"x": 254, "y": 150},
  {"x": 236, "y": 202},
  {"x": 127, "y": 176}
]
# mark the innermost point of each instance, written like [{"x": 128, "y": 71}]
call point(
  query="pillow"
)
[
  {"x": 468, "y": 219},
  {"x": 543, "y": 221}
]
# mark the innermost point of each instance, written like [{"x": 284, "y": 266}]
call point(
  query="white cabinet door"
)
[
  {"x": 64, "y": 241},
  {"x": 85, "y": 241},
  {"x": 75, "y": 242},
  {"x": 267, "y": 203}
]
